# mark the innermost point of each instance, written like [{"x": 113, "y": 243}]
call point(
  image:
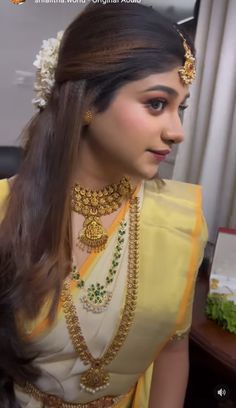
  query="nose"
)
[{"x": 173, "y": 131}]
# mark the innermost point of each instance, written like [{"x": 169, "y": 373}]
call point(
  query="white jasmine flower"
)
[{"x": 45, "y": 62}]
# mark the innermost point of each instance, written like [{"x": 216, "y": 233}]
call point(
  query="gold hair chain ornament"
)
[
  {"x": 187, "y": 73},
  {"x": 93, "y": 204},
  {"x": 97, "y": 377}
]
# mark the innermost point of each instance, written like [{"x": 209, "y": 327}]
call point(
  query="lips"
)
[
  {"x": 159, "y": 152},
  {"x": 159, "y": 155}
]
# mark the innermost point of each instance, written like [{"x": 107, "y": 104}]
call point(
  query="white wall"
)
[{"x": 22, "y": 29}]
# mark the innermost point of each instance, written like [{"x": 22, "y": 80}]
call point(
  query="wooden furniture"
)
[
  {"x": 205, "y": 333},
  {"x": 212, "y": 356}
]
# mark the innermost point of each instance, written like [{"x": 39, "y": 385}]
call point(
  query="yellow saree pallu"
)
[{"x": 173, "y": 235}]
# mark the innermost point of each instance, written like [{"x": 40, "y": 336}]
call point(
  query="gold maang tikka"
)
[
  {"x": 187, "y": 73},
  {"x": 93, "y": 204}
]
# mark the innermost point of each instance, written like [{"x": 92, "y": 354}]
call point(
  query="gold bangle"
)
[{"x": 180, "y": 335}]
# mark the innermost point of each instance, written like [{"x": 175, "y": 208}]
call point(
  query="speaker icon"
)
[{"x": 221, "y": 392}]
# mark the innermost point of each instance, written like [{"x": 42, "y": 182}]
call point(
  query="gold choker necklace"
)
[{"x": 93, "y": 204}]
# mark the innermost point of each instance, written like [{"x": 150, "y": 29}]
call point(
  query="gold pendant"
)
[
  {"x": 94, "y": 379},
  {"x": 93, "y": 235}
]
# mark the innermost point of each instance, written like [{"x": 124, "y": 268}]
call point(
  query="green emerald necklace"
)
[{"x": 96, "y": 297}]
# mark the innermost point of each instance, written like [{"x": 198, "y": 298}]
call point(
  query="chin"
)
[
  {"x": 150, "y": 175},
  {"x": 154, "y": 177}
]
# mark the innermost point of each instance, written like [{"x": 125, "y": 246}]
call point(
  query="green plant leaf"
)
[{"x": 221, "y": 310}]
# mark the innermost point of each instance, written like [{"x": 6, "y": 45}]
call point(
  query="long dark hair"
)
[{"x": 105, "y": 47}]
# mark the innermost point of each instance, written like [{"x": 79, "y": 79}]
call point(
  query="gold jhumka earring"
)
[{"x": 87, "y": 119}]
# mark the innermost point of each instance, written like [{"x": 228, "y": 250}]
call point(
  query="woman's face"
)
[{"x": 144, "y": 118}]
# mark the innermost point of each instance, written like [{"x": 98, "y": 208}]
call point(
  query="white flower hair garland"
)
[{"x": 46, "y": 61}]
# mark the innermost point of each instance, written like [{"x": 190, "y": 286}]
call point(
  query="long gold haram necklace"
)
[
  {"x": 93, "y": 204},
  {"x": 96, "y": 377}
]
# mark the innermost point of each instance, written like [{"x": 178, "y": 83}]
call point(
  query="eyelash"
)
[
  {"x": 181, "y": 111},
  {"x": 164, "y": 103},
  {"x": 182, "y": 108},
  {"x": 151, "y": 102}
]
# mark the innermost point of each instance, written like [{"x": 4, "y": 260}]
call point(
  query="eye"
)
[
  {"x": 181, "y": 111},
  {"x": 157, "y": 104}
]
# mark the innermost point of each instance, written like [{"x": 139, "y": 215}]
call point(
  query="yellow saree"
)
[{"x": 172, "y": 239}]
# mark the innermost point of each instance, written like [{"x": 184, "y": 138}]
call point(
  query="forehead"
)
[{"x": 169, "y": 79}]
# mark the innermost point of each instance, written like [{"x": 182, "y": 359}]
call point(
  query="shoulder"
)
[
  {"x": 174, "y": 205},
  {"x": 174, "y": 191},
  {"x": 5, "y": 188}
]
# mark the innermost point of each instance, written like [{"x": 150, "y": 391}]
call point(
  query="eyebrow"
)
[{"x": 166, "y": 89}]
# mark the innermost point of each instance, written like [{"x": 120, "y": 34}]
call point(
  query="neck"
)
[
  {"x": 95, "y": 177},
  {"x": 97, "y": 181},
  {"x": 95, "y": 171}
]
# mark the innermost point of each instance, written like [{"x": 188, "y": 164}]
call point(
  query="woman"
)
[{"x": 98, "y": 257}]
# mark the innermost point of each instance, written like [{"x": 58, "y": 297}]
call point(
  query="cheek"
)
[{"x": 131, "y": 118}]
